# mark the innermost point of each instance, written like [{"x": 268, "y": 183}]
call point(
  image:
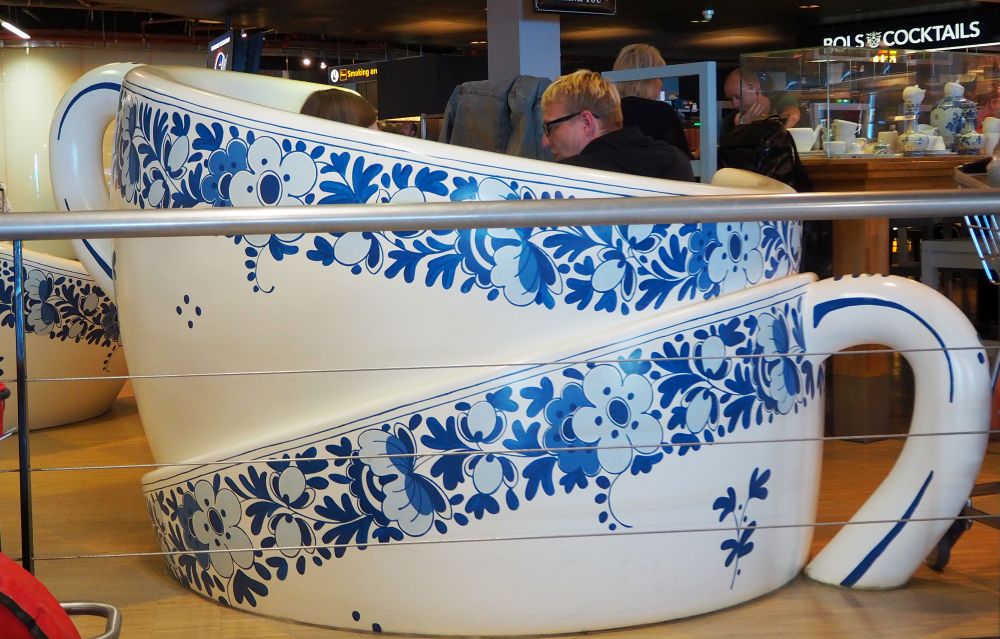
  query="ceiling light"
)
[
  {"x": 322, "y": 65},
  {"x": 306, "y": 61},
  {"x": 808, "y": 6},
  {"x": 8, "y": 26}
]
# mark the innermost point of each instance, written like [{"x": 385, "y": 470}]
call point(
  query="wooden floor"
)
[{"x": 102, "y": 512}]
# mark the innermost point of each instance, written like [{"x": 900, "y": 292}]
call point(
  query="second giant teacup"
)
[{"x": 492, "y": 431}]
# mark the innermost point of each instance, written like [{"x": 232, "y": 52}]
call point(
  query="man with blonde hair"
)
[{"x": 582, "y": 126}]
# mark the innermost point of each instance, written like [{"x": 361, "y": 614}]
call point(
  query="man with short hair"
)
[
  {"x": 743, "y": 90},
  {"x": 582, "y": 126}
]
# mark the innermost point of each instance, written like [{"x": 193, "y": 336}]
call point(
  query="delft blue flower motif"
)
[
  {"x": 187, "y": 507},
  {"x": 484, "y": 424},
  {"x": 481, "y": 447},
  {"x": 617, "y": 269},
  {"x": 701, "y": 242},
  {"x": 574, "y": 456},
  {"x": 271, "y": 178},
  {"x": 411, "y": 500},
  {"x": 216, "y": 525},
  {"x": 128, "y": 161},
  {"x": 109, "y": 323},
  {"x": 44, "y": 315},
  {"x": 617, "y": 417},
  {"x": 62, "y": 307},
  {"x": 524, "y": 271},
  {"x": 222, "y": 166},
  {"x": 780, "y": 376},
  {"x": 290, "y": 531},
  {"x": 736, "y": 261},
  {"x": 712, "y": 358}
]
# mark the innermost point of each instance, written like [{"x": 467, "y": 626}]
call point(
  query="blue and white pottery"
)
[
  {"x": 951, "y": 112},
  {"x": 71, "y": 331},
  {"x": 504, "y": 431},
  {"x": 969, "y": 142}
]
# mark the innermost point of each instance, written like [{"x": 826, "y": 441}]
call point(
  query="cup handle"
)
[
  {"x": 76, "y": 163},
  {"x": 934, "y": 475}
]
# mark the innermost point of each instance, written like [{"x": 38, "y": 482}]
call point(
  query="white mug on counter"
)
[
  {"x": 836, "y": 147},
  {"x": 845, "y": 130}
]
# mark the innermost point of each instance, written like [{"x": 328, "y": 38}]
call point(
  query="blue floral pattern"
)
[
  {"x": 62, "y": 305},
  {"x": 577, "y": 427},
  {"x": 166, "y": 157},
  {"x": 728, "y": 505}
]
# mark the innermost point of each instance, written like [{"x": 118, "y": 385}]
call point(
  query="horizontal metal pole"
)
[{"x": 344, "y": 218}]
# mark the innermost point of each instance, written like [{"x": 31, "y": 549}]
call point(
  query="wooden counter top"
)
[{"x": 884, "y": 174}]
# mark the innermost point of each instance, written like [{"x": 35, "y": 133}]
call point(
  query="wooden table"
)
[{"x": 862, "y": 246}]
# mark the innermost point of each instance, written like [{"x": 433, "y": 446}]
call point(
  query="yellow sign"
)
[{"x": 353, "y": 74}]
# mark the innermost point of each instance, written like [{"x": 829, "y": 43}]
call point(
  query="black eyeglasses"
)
[{"x": 547, "y": 126}]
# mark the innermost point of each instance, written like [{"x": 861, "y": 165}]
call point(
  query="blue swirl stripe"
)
[
  {"x": 876, "y": 552},
  {"x": 100, "y": 86},
  {"x": 825, "y": 308}
]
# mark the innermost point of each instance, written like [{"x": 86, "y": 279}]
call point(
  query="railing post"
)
[{"x": 23, "y": 451}]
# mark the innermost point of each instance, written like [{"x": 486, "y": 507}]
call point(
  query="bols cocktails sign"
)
[{"x": 951, "y": 30}]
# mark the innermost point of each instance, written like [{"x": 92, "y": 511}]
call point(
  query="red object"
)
[
  {"x": 4, "y": 394},
  {"x": 27, "y": 609}
]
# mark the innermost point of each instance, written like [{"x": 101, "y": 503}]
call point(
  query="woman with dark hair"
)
[
  {"x": 340, "y": 105},
  {"x": 640, "y": 104}
]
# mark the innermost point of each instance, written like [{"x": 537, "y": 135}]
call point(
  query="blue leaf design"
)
[
  {"x": 539, "y": 475},
  {"x": 757, "y": 481},
  {"x": 430, "y": 181},
  {"x": 323, "y": 253},
  {"x": 726, "y": 504},
  {"x": 539, "y": 396},
  {"x": 245, "y": 587}
]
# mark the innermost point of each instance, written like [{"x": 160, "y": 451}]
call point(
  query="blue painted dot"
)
[
  {"x": 197, "y": 311},
  {"x": 179, "y": 311},
  {"x": 982, "y": 359},
  {"x": 356, "y": 615},
  {"x": 376, "y": 627},
  {"x": 614, "y": 434},
  {"x": 187, "y": 299},
  {"x": 190, "y": 324},
  {"x": 607, "y": 390}
]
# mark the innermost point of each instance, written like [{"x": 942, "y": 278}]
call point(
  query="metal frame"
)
[{"x": 444, "y": 215}]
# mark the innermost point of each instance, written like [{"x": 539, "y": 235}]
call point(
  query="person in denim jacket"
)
[{"x": 503, "y": 116}]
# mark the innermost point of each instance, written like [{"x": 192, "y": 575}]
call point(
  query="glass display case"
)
[{"x": 857, "y": 94}]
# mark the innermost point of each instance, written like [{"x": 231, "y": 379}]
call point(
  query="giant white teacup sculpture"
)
[{"x": 660, "y": 365}]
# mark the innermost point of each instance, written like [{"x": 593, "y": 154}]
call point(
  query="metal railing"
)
[{"x": 430, "y": 216}]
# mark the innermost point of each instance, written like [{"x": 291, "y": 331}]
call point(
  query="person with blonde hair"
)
[
  {"x": 641, "y": 106},
  {"x": 340, "y": 105},
  {"x": 582, "y": 126}
]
